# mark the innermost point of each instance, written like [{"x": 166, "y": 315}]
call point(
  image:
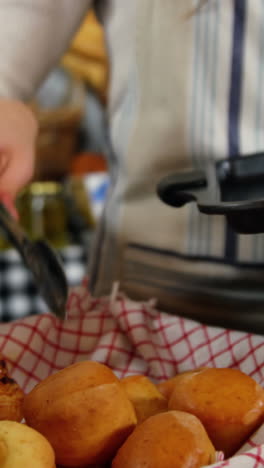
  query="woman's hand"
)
[{"x": 18, "y": 131}]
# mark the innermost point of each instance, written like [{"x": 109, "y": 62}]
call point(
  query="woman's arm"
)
[{"x": 33, "y": 36}]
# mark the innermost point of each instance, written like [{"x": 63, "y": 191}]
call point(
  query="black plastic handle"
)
[{"x": 176, "y": 189}]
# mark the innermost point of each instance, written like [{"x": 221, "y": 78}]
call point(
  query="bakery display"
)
[
  {"x": 229, "y": 403},
  {"x": 84, "y": 413},
  {"x": 144, "y": 396},
  {"x": 173, "y": 439},
  {"x": 23, "y": 447}
]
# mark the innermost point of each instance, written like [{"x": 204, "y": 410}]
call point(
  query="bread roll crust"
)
[
  {"x": 167, "y": 440},
  {"x": 84, "y": 413},
  {"x": 229, "y": 403},
  {"x": 144, "y": 396},
  {"x": 11, "y": 396},
  {"x": 22, "y": 446},
  {"x": 167, "y": 386}
]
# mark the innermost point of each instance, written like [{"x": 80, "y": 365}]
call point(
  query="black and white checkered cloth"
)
[{"x": 18, "y": 294}]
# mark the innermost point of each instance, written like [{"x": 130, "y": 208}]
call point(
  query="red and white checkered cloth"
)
[{"x": 131, "y": 338}]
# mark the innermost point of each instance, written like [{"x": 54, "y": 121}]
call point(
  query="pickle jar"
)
[{"x": 43, "y": 213}]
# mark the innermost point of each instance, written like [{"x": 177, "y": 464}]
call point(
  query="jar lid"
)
[{"x": 43, "y": 188}]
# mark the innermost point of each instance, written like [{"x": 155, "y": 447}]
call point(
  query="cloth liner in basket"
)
[{"x": 131, "y": 338}]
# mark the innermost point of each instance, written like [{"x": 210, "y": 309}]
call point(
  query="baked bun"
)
[
  {"x": 11, "y": 396},
  {"x": 229, "y": 404},
  {"x": 167, "y": 386},
  {"x": 84, "y": 413},
  {"x": 167, "y": 440},
  {"x": 144, "y": 396},
  {"x": 23, "y": 447}
]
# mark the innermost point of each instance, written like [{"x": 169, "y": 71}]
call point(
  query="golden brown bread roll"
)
[
  {"x": 11, "y": 396},
  {"x": 166, "y": 440},
  {"x": 23, "y": 447},
  {"x": 229, "y": 403},
  {"x": 167, "y": 386},
  {"x": 84, "y": 413},
  {"x": 144, "y": 396}
]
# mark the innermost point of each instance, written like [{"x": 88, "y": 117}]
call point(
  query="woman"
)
[{"x": 186, "y": 88}]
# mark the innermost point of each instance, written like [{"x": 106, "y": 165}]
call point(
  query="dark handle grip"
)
[{"x": 176, "y": 189}]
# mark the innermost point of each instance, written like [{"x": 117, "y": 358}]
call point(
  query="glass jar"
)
[{"x": 43, "y": 213}]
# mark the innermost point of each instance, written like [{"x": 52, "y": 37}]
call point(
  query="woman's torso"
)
[{"x": 185, "y": 89}]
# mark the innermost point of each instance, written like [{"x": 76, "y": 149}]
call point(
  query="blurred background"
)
[{"x": 65, "y": 200}]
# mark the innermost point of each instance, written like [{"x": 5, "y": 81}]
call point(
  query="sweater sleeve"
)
[{"x": 33, "y": 36}]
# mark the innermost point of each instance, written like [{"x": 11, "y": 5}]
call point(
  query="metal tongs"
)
[{"x": 42, "y": 261}]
